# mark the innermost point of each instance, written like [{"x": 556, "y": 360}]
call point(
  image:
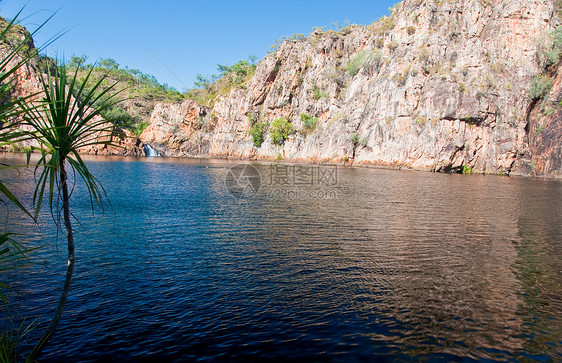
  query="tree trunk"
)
[{"x": 70, "y": 269}]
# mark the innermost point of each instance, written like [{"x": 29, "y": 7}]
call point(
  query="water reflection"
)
[
  {"x": 400, "y": 264},
  {"x": 537, "y": 267}
]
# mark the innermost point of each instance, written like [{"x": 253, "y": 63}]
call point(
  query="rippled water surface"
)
[{"x": 365, "y": 265}]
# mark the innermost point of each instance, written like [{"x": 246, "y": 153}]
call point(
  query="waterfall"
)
[{"x": 149, "y": 151}]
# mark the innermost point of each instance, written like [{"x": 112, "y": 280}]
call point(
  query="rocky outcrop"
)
[
  {"x": 115, "y": 142},
  {"x": 438, "y": 85},
  {"x": 175, "y": 129}
]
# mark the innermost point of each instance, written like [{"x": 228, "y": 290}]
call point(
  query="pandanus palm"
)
[{"x": 66, "y": 119}]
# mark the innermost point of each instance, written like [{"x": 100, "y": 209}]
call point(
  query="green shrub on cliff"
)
[
  {"x": 358, "y": 140},
  {"x": 257, "y": 131},
  {"x": 540, "y": 87},
  {"x": 207, "y": 88},
  {"x": 280, "y": 130},
  {"x": 369, "y": 58},
  {"x": 317, "y": 93},
  {"x": 553, "y": 54},
  {"x": 550, "y": 47},
  {"x": 139, "y": 127},
  {"x": 308, "y": 121},
  {"x": 467, "y": 170},
  {"x": 237, "y": 73}
]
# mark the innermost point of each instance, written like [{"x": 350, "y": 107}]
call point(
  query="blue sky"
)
[{"x": 189, "y": 37}]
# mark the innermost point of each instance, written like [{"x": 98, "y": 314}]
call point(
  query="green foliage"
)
[
  {"x": 387, "y": 23},
  {"x": 108, "y": 63},
  {"x": 553, "y": 54},
  {"x": 317, "y": 93},
  {"x": 540, "y": 129},
  {"x": 308, "y": 121},
  {"x": 238, "y": 72},
  {"x": 10, "y": 341},
  {"x": 550, "y": 47},
  {"x": 280, "y": 130},
  {"x": 540, "y": 87},
  {"x": 467, "y": 170},
  {"x": 140, "y": 84},
  {"x": 358, "y": 140},
  {"x": 337, "y": 27},
  {"x": 557, "y": 37},
  {"x": 207, "y": 88},
  {"x": 204, "y": 82},
  {"x": 257, "y": 131},
  {"x": 369, "y": 58},
  {"x": 76, "y": 62},
  {"x": 293, "y": 38},
  {"x": 139, "y": 127},
  {"x": 61, "y": 126},
  {"x": 19, "y": 148},
  {"x": 18, "y": 38},
  {"x": 133, "y": 83},
  {"x": 383, "y": 26},
  {"x": 120, "y": 117}
]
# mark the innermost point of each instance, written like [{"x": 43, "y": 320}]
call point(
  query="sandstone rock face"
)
[
  {"x": 119, "y": 142},
  {"x": 175, "y": 129},
  {"x": 439, "y": 85}
]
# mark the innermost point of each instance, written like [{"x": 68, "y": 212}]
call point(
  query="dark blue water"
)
[{"x": 367, "y": 265}]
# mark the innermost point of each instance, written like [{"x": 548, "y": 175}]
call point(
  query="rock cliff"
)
[{"x": 437, "y": 85}]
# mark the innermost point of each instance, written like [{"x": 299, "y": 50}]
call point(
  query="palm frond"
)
[
  {"x": 68, "y": 118},
  {"x": 10, "y": 109}
]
